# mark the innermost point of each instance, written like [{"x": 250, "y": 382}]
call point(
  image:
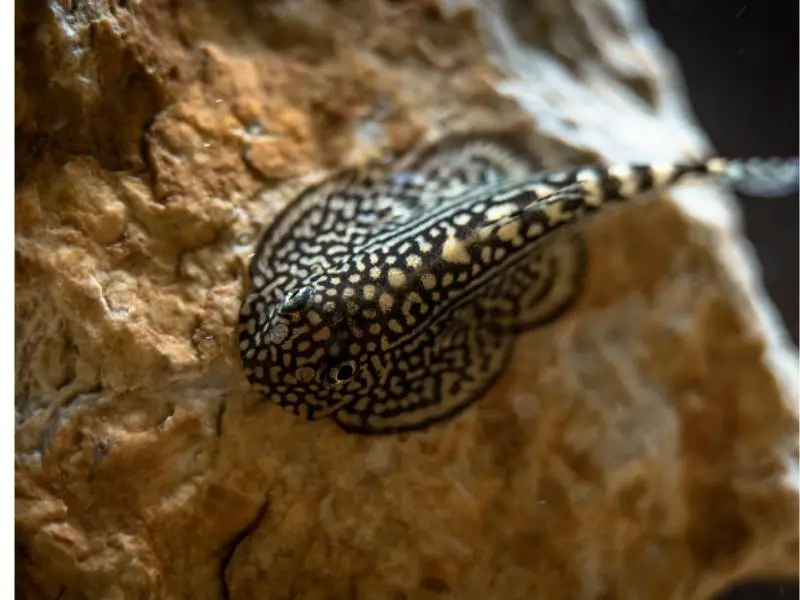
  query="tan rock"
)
[{"x": 643, "y": 446}]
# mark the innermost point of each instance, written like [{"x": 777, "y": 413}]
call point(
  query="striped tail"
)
[
  {"x": 764, "y": 177},
  {"x": 551, "y": 200}
]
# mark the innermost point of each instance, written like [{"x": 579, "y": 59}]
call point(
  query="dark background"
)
[
  {"x": 740, "y": 62},
  {"x": 739, "y": 59}
]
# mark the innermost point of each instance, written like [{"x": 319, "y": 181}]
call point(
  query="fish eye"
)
[
  {"x": 298, "y": 299},
  {"x": 342, "y": 373},
  {"x": 345, "y": 372}
]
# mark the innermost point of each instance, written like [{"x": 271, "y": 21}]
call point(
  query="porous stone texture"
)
[{"x": 644, "y": 446}]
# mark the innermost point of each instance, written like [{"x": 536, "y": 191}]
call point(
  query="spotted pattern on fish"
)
[{"x": 390, "y": 300}]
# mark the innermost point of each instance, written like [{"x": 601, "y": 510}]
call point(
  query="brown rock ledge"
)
[{"x": 644, "y": 446}]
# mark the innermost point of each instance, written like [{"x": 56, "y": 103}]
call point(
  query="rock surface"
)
[{"x": 643, "y": 446}]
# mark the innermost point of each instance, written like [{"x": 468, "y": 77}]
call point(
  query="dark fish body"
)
[{"x": 391, "y": 302}]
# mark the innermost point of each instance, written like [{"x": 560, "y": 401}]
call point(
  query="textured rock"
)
[{"x": 644, "y": 446}]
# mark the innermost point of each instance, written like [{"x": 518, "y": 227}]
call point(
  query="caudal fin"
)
[{"x": 764, "y": 177}]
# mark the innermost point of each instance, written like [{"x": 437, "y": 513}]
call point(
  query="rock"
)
[{"x": 643, "y": 446}]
